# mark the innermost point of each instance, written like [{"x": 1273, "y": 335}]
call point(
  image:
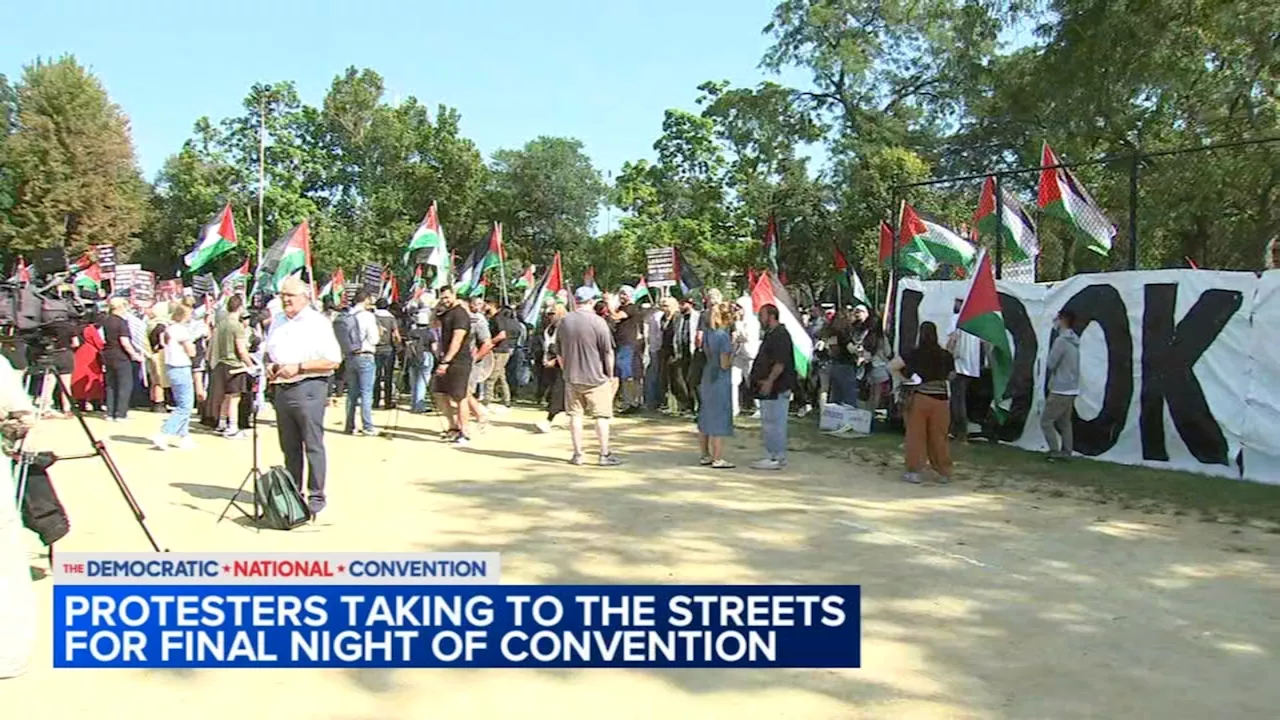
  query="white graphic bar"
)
[{"x": 446, "y": 568}]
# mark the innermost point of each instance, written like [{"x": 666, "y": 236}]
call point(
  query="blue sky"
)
[{"x": 602, "y": 72}]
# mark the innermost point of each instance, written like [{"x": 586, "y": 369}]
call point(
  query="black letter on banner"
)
[
  {"x": 909, "y": 320},
  {"x": 1168, "y": 354},
  {"x": 1102, "y": 304},
  {"x": 1022, "y": 376}
]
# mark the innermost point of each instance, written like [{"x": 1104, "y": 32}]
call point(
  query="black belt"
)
[{"x": 363, "y": 352}]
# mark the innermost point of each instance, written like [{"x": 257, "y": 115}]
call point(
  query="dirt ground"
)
[{"x": 976, "y": 604}]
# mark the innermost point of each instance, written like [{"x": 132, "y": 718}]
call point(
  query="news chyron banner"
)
[{"x": 426, "y": 610}]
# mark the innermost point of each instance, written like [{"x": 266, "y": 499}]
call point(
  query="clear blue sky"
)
[{"x": 602, "y": 72}]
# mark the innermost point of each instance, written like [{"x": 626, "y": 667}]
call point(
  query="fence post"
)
[
  {"x": 1133, "y": 210},
  {"x": 999, "y": 228}
]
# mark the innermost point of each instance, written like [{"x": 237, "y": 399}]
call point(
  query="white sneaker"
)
[
  {"x": 543, "y": 426},
  {"x": 913, "y": 478},
  {"x": 766, "y": 464},
  {"x": 237, "y": 435},
  {"x": 161, "y": 442},
  {"x": 499, "y": 409},
  {"x": 804, "y": 411},
  {"x": 186, "y": 443}
]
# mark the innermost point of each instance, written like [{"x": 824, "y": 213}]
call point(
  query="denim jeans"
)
[
  {"x": 773, "y": 425},
  {"x": 360, "y": 374},
  {"x": 844, "y": 384},
  {"x": 184, "y": 399},
  {"x": 653, "y": 384},
  {"x": 420, "y": 379}
]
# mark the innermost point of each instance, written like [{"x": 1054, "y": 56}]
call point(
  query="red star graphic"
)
[
  {"x": 342, "y": 568},
  {"x": 226, "y": 568}
]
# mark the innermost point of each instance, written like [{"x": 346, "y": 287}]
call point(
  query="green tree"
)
[
  {"x": 547, "y": 195},
  {"x": 71, "y": 164}
]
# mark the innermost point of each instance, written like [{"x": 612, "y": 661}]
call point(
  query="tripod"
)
[
  {"x": 44, "y": 368},
  {"x": 254, "y": 474}
]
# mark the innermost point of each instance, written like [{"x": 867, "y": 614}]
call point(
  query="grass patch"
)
[{"x": 1131, "y": 487}]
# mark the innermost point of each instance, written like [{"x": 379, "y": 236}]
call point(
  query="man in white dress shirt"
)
[{"x": 302, "y": 352}]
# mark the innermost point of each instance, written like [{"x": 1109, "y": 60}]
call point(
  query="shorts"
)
[
  {"x": 596, "y": 400},
  {"x": 232, "y": 383},
  {"x": 482, "y": 370},
  {"x": 626, "y": 363},
  {"x": 456, "y": 381}
]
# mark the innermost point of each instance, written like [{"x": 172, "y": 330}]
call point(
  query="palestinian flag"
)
[
  {"x": 771, "y": 243},
  {"x": 488, "y": 254},
  {"x": 235, "y": 280},
  {"x": 886, "y": 243},
  {"x": 1062, "y": 195},
  {"x": 945, "y": 246},
  {"x": 848, "y": 280},
  {"x": 525, "y": 281},
  {"x": 390, "y": 288},
  {"x": 89, "y": 279},
  {"x": 549, "y": 287},
  {"x": 642, "y": 290},
  {"x": 689, "y": 280},
  {"x": 419, "y": 285},
  {"x": 1016, "y": 228},
  {"x": 770, "y": 291},
  {"x": 333, "y": 288},
  {"x": 981, "y": 317},
  {"x": 82, "y": 264},
  {"x": 429, "y": 236},
  {"x": 21, "y": 273},
  {"x": 289, "y": 255},
  {"x": 217, "y": 237}
]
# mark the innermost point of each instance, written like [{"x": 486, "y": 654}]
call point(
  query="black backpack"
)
[
  {"x": 347, "y": 331},
  {"x": 283, "y": 507}
]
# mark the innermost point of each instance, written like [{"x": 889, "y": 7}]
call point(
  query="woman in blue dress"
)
[{"x": 715, "y": 414}]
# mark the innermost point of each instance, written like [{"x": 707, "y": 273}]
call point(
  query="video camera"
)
[{"x": 29, "y": 309}]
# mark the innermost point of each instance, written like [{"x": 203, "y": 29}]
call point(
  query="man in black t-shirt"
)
[
  {"x": 773, "y": 375},
  {"x": 627, "y": 338},
  {"x": 497, "y": 391},
  {"x": 453, "y": 375}
]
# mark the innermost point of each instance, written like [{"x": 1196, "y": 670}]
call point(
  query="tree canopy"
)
[{"x": 896, "y": 93}]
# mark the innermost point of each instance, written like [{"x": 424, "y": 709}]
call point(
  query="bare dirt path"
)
[{"x": 976, "y": 605}]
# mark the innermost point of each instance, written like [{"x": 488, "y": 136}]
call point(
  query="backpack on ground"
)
[
  {"x": 283, "y": 507},
  {"x": 347, "y": 330}
]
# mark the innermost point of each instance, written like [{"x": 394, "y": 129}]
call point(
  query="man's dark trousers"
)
[{"x": 300, "y": 425}]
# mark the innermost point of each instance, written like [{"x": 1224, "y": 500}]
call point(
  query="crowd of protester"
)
[{"x": 699, "y": 357}]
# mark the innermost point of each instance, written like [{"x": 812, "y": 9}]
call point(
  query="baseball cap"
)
[{"x": 586, "y": 293}]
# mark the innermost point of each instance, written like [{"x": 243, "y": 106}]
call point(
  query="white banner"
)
[{"x": 1174, "y": 364}]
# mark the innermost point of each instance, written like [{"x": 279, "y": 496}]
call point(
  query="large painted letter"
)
[
  {"x": 1168, "y": 356},
  {"x": 1102, "y": 304},
  {"x": 1022, "y": 378},
  {"x": 909, "y": 320}
]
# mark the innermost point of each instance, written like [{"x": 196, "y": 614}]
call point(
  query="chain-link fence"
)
[{"x": 1212, "y": 207}]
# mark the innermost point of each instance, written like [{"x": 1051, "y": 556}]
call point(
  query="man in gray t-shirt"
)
[{"x": 586, "y": 354}]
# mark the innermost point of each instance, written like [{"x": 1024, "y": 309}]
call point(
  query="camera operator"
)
[
  {"x": 17, "y": 599},
  {"x": 64, "y": 336}
]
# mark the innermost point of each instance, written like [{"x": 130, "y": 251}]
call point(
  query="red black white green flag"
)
[{"x": 982, "y": 317}]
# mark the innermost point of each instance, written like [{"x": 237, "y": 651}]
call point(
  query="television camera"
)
[{"x": 31, "y": 312}]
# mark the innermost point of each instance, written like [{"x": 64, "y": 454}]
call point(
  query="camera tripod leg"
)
[
  {"x": 99, "y": 450},
  {"x": 254, "y": 474}
]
